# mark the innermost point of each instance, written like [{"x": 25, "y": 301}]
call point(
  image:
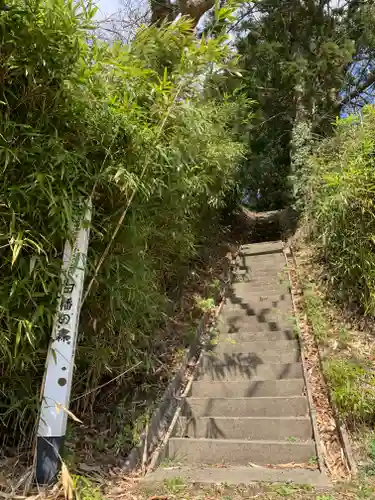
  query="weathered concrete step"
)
[
  {"x": 250, "y": 275},
  {"x": 253, "y": 371},
  {"x": 239, "y": 475},
  {"x": 293, "y": 406},
  {"x": 257, "y": 271},
  {"x": 242, "y": 288},
  {"x": 251, "y": 293},
  {"x": 265, "y": 388},
  {"x": 240, "y": 323},
  {"x": 282, "y": 351},
  {"x": 256, "y": 335},
  {"x": 262, "y": 248},
  {"x": 239, "y": 452},
  {"x": 266, "y": 311},
  {"x": 259, "y": 299},
  {"x": 260, "y": 262},
  {"x": 260, "y": 314},
  {"x": 291, "y": 429},
  {"x": 258, "y": 305},
  {"x": 258, "y": 347},
  {"x": 238, "y": 354},
  {"x": 247, "y": 268},
  {"x": 259, "y": 283}
]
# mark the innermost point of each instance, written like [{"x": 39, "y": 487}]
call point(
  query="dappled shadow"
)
[
  {"x": 252, "y": 313},
  {"x": 209, "y": 429},
  {"x": 242, "y": 365},
  {"x": 255, "y": 314},
  {"x": 239, "y": 319},
  {"x": 246, "y": 366}
]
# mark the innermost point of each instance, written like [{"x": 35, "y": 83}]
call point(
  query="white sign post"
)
[{"x": 60, "y": 358}]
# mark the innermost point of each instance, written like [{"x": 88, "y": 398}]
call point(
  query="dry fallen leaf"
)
[
  {"x": 67, "y": 482},
  {"x": 59, "y": 407}
]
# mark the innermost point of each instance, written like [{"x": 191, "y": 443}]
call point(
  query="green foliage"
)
[
  {"x": 370, "y": 468},
  {"x": 85, "y": 490},
  {"x": 286, "y": 69},
  {"x": 339, "y": 186},
  {"x": 316, "y": 315},
  {"x": 128, "y": 127},
  {"x": 175, "y": 484},
  {"x": 353, "y": 389}
]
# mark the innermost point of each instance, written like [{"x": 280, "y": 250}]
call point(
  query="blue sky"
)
[{"x": 107, "y": 7}]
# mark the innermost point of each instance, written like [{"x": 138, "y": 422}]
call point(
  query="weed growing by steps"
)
[
  {"x": 84, "y": 489},
  {"x": 315, "y": 313},
  {"x": 370, "y": 467},
  {"x": 350, "y": 379},
  {"x": 352, "y": 385}
]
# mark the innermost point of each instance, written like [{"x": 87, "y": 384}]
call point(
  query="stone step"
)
[
  {"x": 239, "y": 323},
  {"x": 261, "y": 287},
  {"x": 257, "y": 304},
  {"x": 254, "y": 371},
  {"x": 293, "y": 406},
  {"x": 221, "y": 344},
  {"x": 249, "y": 273},
  {"x": 262, "y": 248},
  {"x": 259, "y": 283},
  {"x": 291, "y": 429},
  {"x": 266, "y": 388},
  {"x": 238, "y": 355},
  {"x": 259, "y": 299},
  {"x": 249, "y": 269},
  {"x": 251, "y": 294},
  {"x": 238, "y": 475},
  {"x": 259, "y": 314},
  {"x": 256, "y": 271},
  {"x": 260, "y": 263},
  {"x": 255, "y": 277},
  {"x": 280, "y": 351},
  {"x": 256, "y": 335},
  {"x": 239, "y": 452},
  {"x": 241, "y": 363}
]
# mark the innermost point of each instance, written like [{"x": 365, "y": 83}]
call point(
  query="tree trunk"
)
[{"x": 164, "y": 10}]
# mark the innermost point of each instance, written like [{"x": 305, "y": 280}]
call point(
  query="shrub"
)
[
  {"x": 353, "y": 389},
  {"x": 339, "y": 189},
  {"x": 128, "y": 127}
]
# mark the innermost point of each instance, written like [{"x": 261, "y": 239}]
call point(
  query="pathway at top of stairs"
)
[{"x": 247, "y": 414}]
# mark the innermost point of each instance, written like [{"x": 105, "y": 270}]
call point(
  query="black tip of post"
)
[{"x": 48, "y": 460}]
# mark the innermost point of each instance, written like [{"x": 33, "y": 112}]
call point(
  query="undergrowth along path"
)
[{"x": 345, "y": 340}]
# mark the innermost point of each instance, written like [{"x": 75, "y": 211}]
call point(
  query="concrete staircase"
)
[{"x": 247, "y": 414}]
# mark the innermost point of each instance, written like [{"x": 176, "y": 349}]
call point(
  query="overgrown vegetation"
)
[
  {"x": 302, "y": 63},
  {"x": 344, "y": 354},
  {"x": 339, "y": 196},
  {"x": 334, "y": 184},
  {"x": 353, "y": 389},
  {"x": 129, "y": 128}
]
